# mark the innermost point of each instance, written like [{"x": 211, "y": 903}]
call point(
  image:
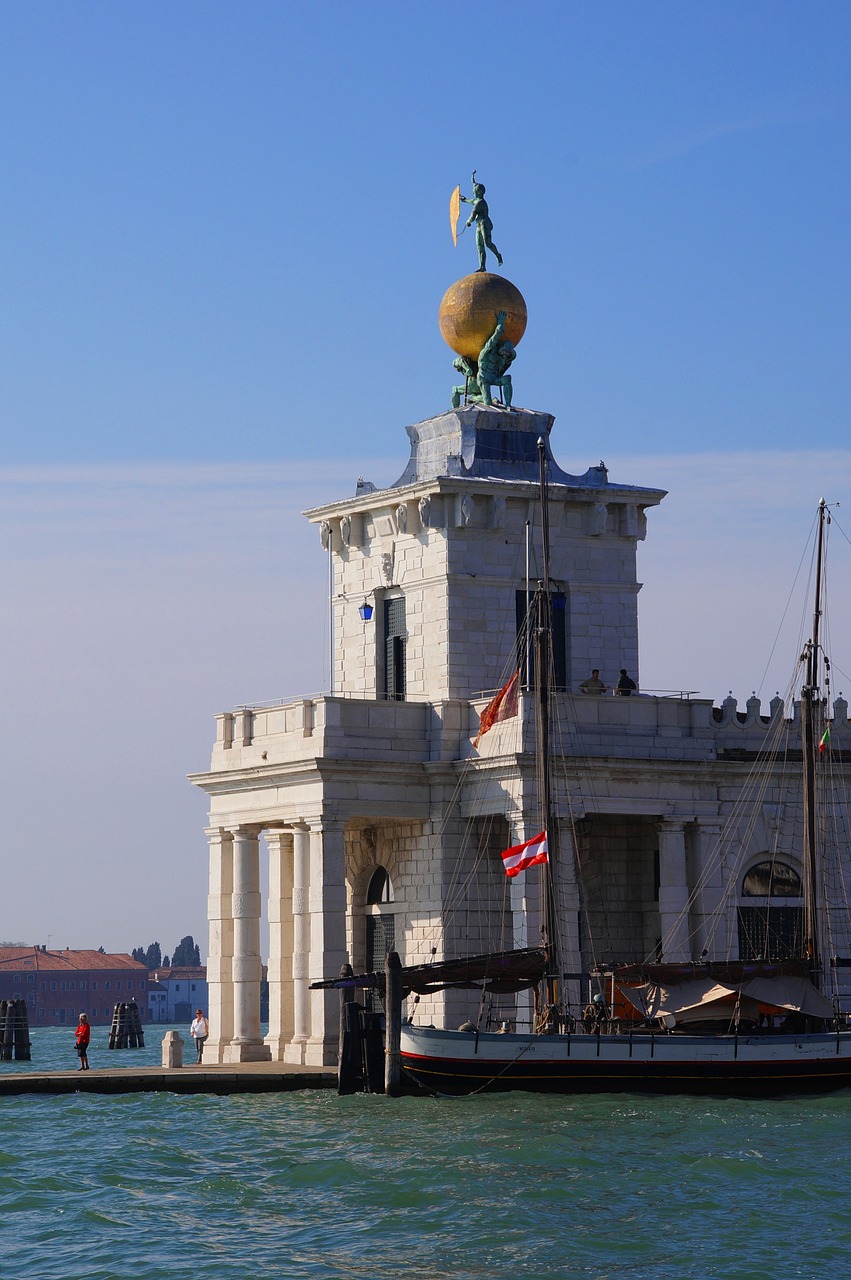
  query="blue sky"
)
[
  {"x": 223, "y": 241},
  {"x": 225, "y": 229}
]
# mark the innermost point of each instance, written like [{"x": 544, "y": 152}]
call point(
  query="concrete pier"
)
[{"x": 246, "y": 1077}]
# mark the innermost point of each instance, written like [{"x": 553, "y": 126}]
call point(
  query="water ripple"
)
[{"x": 312, "y": 1187}]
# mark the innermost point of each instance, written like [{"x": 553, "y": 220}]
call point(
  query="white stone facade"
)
[{"x": 383, "y": 776}]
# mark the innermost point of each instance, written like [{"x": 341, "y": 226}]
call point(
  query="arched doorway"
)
[
  {"x": 380, "y": 921},
  {"x": 771, "y": 916},
  {"x": 380, "y": 927}
]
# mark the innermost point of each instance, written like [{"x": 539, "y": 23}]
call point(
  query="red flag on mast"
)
[
  {"x": 501, "y": 707},
  {"x": 521, "y": 856}
]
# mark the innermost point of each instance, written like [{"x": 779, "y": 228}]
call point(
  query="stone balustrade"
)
[{"x": 342, "y": 728}]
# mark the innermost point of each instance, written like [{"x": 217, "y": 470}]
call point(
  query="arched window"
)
[
  {"x": 771, "y": 880},
  {"x": 379, "y": 888},
  {"x": 770, "y": 929},
  {"x": 380, "y": 926}
]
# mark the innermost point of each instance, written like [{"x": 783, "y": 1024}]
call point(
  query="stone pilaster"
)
[
  {"x": 709, "y": 919},
  {"x": 280, "y": 846},
  {"x": 246, "y": 1045},
  {"x": 220, "y": 949},
  {"x": 563, "y": 869},
  {"x": 327, "y": 899},
  {"x": 673, "y": 891},
  {"x": 295, "y": 1050}
]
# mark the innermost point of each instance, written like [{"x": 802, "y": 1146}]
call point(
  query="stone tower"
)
[
  {"x": 441, "y": 557},
  {"x": 383, "y": 816}
]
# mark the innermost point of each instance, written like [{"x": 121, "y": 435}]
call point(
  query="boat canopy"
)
[{"x": 697, "y": 998}]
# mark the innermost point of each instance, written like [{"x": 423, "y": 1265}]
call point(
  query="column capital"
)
[
  {"x": 323, "y": 825},
  {"x": 672, "y": 825},
  {"x": 275, "y": 835},
  {"x": 221, "y": 833}
]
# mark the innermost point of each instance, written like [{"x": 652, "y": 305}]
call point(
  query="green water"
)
[
  {"x": 310, "y": 1185},
  {"x": 53, "y": 1049}
]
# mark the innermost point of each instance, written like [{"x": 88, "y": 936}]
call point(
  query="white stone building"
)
[
  {"x": 176, "y": 992},
  {"x": 374, "y": 807}
]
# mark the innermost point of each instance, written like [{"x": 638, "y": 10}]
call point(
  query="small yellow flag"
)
[{"x": 455, "y": 212}]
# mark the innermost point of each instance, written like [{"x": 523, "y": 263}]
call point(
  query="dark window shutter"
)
[
  {"x": 394, "y": 648},
  {"x": 558, "y": 602},
  {"x": 771, "y": 933},
  {"x": 380, "y": 938}
]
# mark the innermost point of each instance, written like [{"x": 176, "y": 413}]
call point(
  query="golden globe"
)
[{"x": 469, "y": 308}]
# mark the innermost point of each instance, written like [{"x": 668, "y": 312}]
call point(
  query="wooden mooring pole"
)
[
  {"x": 14, "y": 1031},
  {"x": 348, "y": 1048},
  {"x": 393, "y": 1025},
  {"x": 126, "y": 1030}
]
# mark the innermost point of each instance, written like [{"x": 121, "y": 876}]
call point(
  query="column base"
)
[
  {"x": 319, "y": 1053},
  {"x": 294, "y": 1053},
  {"x": 253, "y": 1052},
  {"x": 277, "y": 1047},
  {"x": 214, "y": 1052}
]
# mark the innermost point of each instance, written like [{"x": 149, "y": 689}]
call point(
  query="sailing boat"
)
[{"x": 759, "y": 1026}]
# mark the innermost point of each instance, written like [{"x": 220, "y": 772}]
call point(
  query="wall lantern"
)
[{"x": 365, "y": 611}]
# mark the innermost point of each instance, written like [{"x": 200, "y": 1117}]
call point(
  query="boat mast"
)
[
  {"x": 811, "y": 706},
  {"x": 543, "y": 663}
]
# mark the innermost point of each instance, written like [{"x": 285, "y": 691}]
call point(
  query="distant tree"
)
[
  {"x": 153, "y": 957},
  {"x": 138, "y": 953},
  {"x": 186, "y": 952},
  {"x": 166, "y": 962}
]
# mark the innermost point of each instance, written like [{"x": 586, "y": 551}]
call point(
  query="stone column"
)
[
  {"x": 327, "y": 898},
  {"x": 280, "y": 844},
  {"x": 563, "y": 864},
  {"x": 673, "y": 891},
  {"x": 521, "y": 936},
  {"x": 295, "y": 1050},
  {"x": 220, "y": 950},
  {"x": 708, "y": 912},
  {"x": 246, "y": 1045}
]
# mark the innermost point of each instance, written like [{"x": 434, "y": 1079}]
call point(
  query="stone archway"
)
[{"x": 770, "y": 911}]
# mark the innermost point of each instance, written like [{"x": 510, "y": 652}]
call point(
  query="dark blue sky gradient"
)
[{"x": 225, "y": 234}]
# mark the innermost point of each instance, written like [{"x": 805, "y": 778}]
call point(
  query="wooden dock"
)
[{"x": 244, "y": 1077}]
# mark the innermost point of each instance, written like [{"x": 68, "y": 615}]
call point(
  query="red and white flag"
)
[
  {"x": 501, "y": 707},
  {"x": 521, "y": 856}
]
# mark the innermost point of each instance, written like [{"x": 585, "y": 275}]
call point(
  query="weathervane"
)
[
  {"x": 483, "y": 316},
  {"x": 480, "y": 215}
]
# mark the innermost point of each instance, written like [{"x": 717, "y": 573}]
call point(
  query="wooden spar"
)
[
  {"x": 810, "y": 719},
  {"x": 393, "y": 1025}
]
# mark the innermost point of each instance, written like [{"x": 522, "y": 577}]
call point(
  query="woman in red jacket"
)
[{"x": 83, "y": 1036}]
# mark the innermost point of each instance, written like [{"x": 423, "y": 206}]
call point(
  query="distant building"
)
[
  {"x": 157, "y": 996},
  {"x": 175, "y": 993},
  {"x": 59, "y": 985}
]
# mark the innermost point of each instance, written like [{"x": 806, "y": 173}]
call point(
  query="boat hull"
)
[{"x": 462, "y": 1063}]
